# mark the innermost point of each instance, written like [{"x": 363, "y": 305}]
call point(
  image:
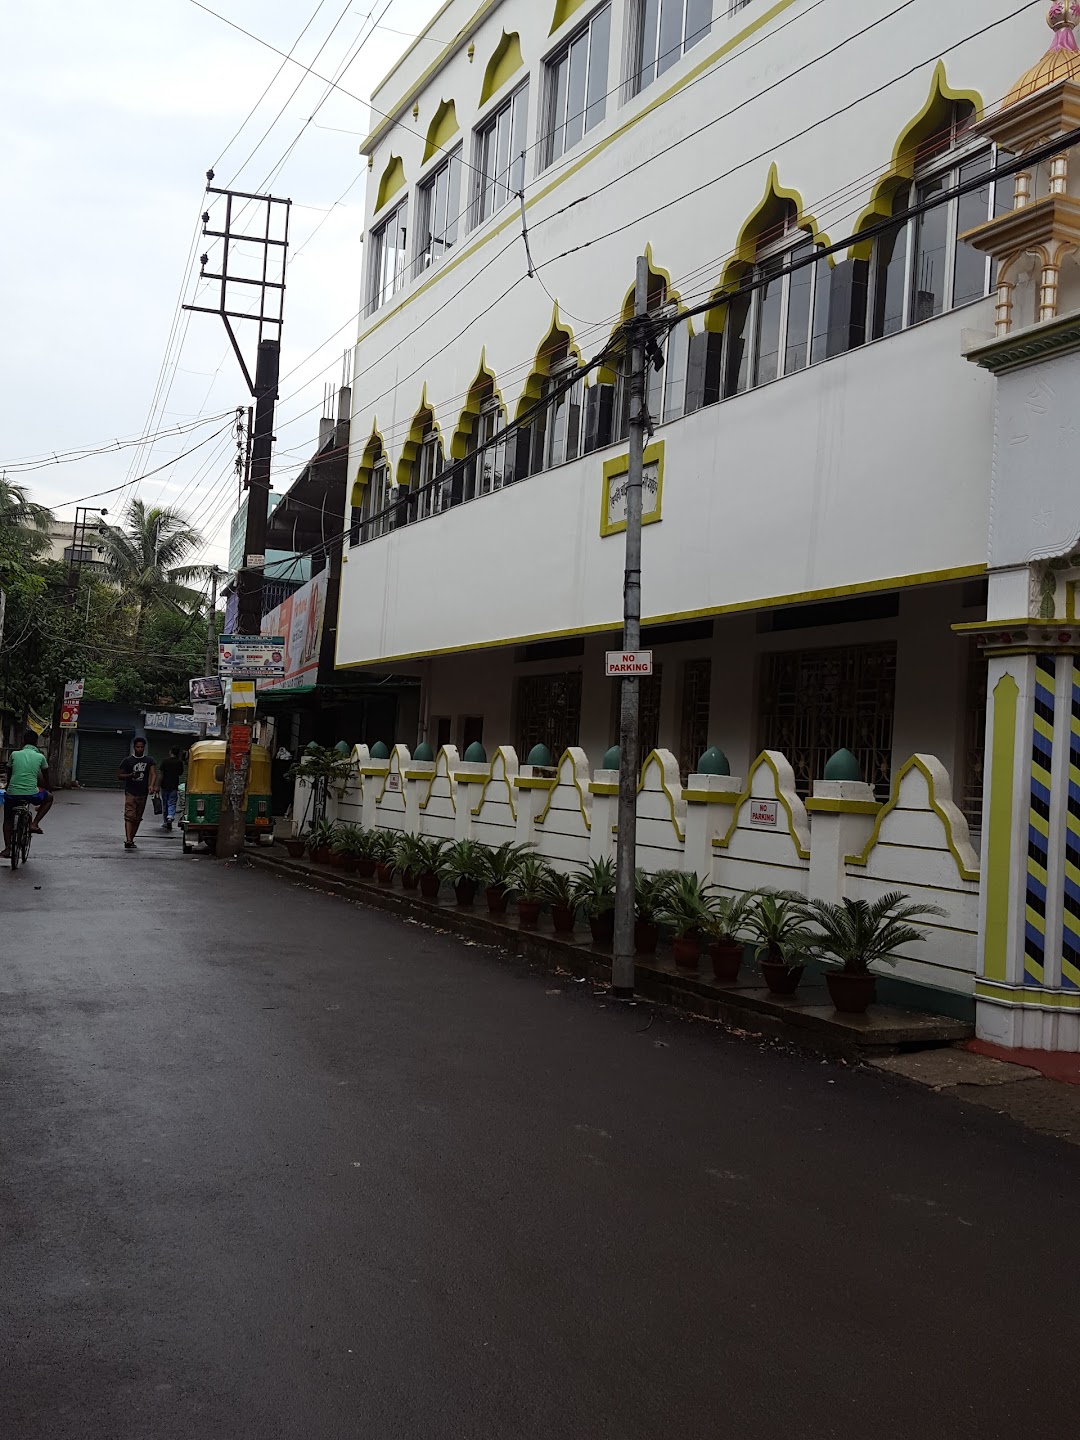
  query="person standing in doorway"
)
[
  {"x": 171, "y": 770},
  {"x": 139, "y": 774}
]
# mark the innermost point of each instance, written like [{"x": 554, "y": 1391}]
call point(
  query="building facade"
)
[{"x": 810, "y": 186}]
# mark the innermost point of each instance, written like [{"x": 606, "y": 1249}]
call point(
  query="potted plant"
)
[
  {"x": 430, "y": 878},
  {"x": 776, "y": 924},
  {"x": 856, "y": 934},
  {"x": 559, "y": 893},
  {"x": 365, "y": 857},
  {"x": 724, "y": 932},
  {"x": 650, "y": 893},
  {"x": 410, "y": 857},
  {"x": 382, "y": 846},
  {"x": 593, "y": 892},
  {"x": 349, "y": 844},
  {"x": 530, "y": 883},
  {"x": 321, "y": 841},
  {"x": 500, "y": 865},
  {"x": 462, "y": 866},
  {"x": 296, "y": 845},
  {"x": 687, "y": 909}
]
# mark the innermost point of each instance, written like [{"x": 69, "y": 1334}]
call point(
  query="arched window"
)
[
  {"x": 371, "y": 497},
  {"x": 428, "y": 494},
  {"x": 487, "y": 466}
]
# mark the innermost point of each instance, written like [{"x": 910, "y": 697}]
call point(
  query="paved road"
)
[{"x": 275, "y": 1166}]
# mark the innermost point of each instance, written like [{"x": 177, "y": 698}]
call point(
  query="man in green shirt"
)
[{"x": 28, "y": 784}]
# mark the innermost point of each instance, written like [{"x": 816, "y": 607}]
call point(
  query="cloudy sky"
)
[{"x": 110, "y": 118}]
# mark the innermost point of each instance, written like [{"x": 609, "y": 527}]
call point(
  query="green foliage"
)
[
  {"x": 856, "y": 934},
  {"x": 382, "y": 846},
  {"x": 530, "y": 877},
  {"x": 319, "y": 763},
  {"x": 593, "y": 888},
  {"x": 464, "y": 860},
  {"x": 687, "y": 907},
  {"x": 146, "y": 561},
  {"x": 324, "y": 833},
  {"x": 501, "y": 863},
  {"x": 728, "y": 920},
  {"x": 651, "y": 892},
  {"x": 777, "y": 924},
  {"x": 411, "y": 853},
  {"x": 351, "y": 840},
  {"x": 559, "y": 888}
]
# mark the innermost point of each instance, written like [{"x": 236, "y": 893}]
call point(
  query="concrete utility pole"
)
[
  {"x": 270, "y": 283},
  {"x": 622, "y": 969}
]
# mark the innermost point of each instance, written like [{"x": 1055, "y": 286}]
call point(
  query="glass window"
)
[
  {"x": 563, "y": 430},
  {"x": 577, "y": 86},
  {"x": 889, "y": 277},
  {"x": 374, "y": 516},
  {"x": 971, "y": 277},
  {"x": 500, "y": 155},
  {"x": 387, "y": 273},
  {"x": 800, "y": 296},
  {"x": 430, "y": 496},
  {"x": 737, "y": 345},
  {"x": 486, "y": 468},
  {"x": 438, "y": 204},
  {"x": 930, "y": 254},
  {"x": 660, "y": 32},
  {"x": 769, "y": 307}
]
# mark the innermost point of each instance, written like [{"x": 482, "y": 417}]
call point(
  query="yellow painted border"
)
[
  {"x": 722, "y": 842},
  {"x": 435, "y": 776},
  {"x": 602, "y": 789},
  {"x": 531, "y": 783},
  {"x": 999, "y": 832},
  {"x": 653, "y": 757},
  {"x": 503, "y": 779},
  {"x": 710, "y": 797},
  {"x": 1027, "y": 995},
  {"x": 842, "y": 807},
  {"x": 620, "y": 465},
  {"x": 739, "y": 607},
  {"x": 915, "y": 763},
  {"x": 389, "y": 120},
  {"x": 564, "y": 758}
]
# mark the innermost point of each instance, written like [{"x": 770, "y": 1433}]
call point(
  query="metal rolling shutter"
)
[{"x": 99, "y": 757}]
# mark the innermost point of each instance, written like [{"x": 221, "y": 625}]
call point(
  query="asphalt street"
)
[{"x": 273, "y": 1165}]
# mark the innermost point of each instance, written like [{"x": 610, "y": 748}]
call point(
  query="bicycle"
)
[{"x": 21, "y": 824}]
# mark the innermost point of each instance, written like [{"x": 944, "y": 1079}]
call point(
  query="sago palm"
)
[
  {"x": 856, "y": 934},
  {"x": 147, "y": 558}
]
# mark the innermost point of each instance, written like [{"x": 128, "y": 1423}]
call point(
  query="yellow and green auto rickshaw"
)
[{"x": 204, "y": 782}]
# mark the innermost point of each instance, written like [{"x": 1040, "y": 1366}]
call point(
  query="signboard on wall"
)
[
  {"x": 616, "y": 487},
  {"x": 764, "y": 814},
  {"x": 299, "y": 619},
  {"x": 628, "y": 662},
  {"x": 252, "y": 657},
  {"x": 207, "y": 688},
  {"x": 69, "y": 715}
]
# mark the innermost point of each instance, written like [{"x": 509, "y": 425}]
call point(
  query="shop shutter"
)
[{"x": 100, "y": 757}]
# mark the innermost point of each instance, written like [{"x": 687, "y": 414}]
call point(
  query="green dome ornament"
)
[
  {"x": 379, "y": 751},
  {"x": 540, "y": 755},
  {"x": 612, "y": 759},
  {"x": 713, "y": 762},
  {"x": 843, "y": 766},
  {"x": 342, "y": 748},
  {"x": 475, "y": 754},
  {"x": 311, "y": 747},
  {"x": 424, "y": 753}
]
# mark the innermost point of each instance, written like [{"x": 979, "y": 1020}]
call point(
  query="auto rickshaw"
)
[{"x": 205, "y": 780}]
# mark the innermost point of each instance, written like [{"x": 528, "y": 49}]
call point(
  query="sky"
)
[{"x": 108, "y": 122}]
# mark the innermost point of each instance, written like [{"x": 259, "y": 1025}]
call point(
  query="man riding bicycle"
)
[{"x": 28, "y": 784}]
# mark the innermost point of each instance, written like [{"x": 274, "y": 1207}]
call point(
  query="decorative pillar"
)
[
  {"x": 843, "y": 811},
  {"x": 604, "y": 789},
  {"x": 472, "y": 771},
  {"x": 710, "y": 795},
  {"x": 533, "y": 784}
]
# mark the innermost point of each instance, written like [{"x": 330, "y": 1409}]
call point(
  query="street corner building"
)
[{"x": 861, "y": 544}]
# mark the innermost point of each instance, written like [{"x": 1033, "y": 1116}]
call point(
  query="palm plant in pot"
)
[
  {"x": 349, "y": 845},
  {"x": 430, "y": 878},
  {"x": 411, "y": 857},
  {"x": 321, "y": 841},
  {"x": 687, "y": 909},
  {"x": 366, "y": 844},
  {"x": 776, "y": 924},
  {"x": 500, "y": 866},
  {"x": 725, "y": 931},
  {"x": 382, "y": 847},
  {"x": 559, "y": 893},
  {"x": 530, "y": 884},
  {"x": 650, "y": 895},
  {"x": 462, "y": 866},
  {"x": 593, "y": 891},
  {"x": 855, "y": 934}
]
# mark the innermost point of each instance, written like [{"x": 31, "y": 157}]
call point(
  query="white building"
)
[{"x": 822, "y": 458}]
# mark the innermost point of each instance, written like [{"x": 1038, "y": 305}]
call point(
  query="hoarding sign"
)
[
  {"x": 69, "y": 715},
  {"x": 73, "y": 690},
  {"x": 251, "y": 657},
  {"x": 208, "y": 688},
  {"x": 299, "y": 618}
]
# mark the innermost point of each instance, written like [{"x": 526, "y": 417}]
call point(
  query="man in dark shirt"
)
[
  {"x": 139, "y": 774},
  {"x": 171, "y": 770}
]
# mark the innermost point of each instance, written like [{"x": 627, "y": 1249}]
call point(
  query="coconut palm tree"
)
[
  {"x": 146, "y": 560},
  {"x": 19, "y": 517}
]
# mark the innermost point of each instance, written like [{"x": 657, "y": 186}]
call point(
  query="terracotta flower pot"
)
[
  {"x": 779, "y": 978},
  {"x": 603, "y": 927},
  {"x": 295, "y": 848},
  {"x": 528, "y": 913},
  {"x": 686, "y": 951},
  {"x": 384, "y": 872},
  {"x": 349, "y": 864},
  {"x": 321, "y": 855},
  {"x": 337, "y": 859},
  {"x": 726, "y": 961},
  {"x": 563, "y": 917},
  {"x": 852, "y": 994},
  {"x": 410, "y": 879},
  {"x": 365, "y": 869},
  {"x": 465, "y": 890},
  {"x": 429, "y": 885},
  {"x": 645, "y": 937},
  {"x": 498, "y": 898}
]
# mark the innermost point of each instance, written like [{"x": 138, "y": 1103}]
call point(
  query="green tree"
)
[
  {"x": 146, "y": 560},
  {"x": 24, "y": 525}
]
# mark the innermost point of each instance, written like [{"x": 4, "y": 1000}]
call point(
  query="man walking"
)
[
  {"x": 28, "y": 784},
  {"x": 139, "y": 774},
  {"x": 171, "y": 770}
]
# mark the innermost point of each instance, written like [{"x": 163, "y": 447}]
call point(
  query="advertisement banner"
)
[
  {"x": 69, "y": 715},
  {"x": 208, "y": 688},
  {"x": 73, "y": 690},
  {"x": 300, "y": 620},
  {"x": 252, "y": 657}
]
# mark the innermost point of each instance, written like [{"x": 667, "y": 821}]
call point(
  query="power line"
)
[{"x": 87, "y": 452}]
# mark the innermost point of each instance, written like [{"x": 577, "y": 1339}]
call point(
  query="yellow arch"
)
[
  {"x": 444, "y": 126},
  {"x": 770, "y": 212},
  {"x": 659, "y": 279},
  {"x": 902, "y": 166},
  {"x": 505, "y": 61},
  {"x": 947, "y": 813},
  {"x": 558, "y": 334},
  {"x": 393, "y": 180},
  {"x": 563, "y": 10},
  {"x": 483, "y": 383},
  {"x": 801, "y": 848},
  {"x": 374, "y": 450},
  {"x": 410, "y": 449}
]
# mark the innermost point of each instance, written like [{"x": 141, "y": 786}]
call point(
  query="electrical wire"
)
[{"x": 89, "y": 452}]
